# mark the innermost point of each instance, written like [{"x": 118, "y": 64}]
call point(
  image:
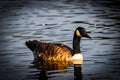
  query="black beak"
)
[{"x": 87, "y": 36}]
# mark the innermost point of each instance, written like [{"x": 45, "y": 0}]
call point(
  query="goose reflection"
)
[
  {"x": 55, "y": 65},
  {"x": 77, "y": 72},
  {"x": 43, "y": 75},
  {"x": 43, "y": 67}
]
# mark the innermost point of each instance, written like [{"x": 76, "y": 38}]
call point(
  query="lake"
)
[{"x": 55, "y": 22}]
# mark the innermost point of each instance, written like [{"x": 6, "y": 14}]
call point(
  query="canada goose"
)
[{"x": 56, "y": 52}]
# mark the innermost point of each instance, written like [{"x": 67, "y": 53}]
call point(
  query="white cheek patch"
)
[{"x": 78, "y": 33}]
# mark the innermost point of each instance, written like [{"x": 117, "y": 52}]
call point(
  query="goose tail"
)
[{"x": 32, "y": 44}]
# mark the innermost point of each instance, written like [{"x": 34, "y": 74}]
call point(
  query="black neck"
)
[{"x": 76, "y": 44}]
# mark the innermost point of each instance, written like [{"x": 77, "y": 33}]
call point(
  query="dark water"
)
[{"x": 55, "y": 21}]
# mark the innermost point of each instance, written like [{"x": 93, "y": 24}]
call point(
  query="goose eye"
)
[{"x": 78, "y": 33}]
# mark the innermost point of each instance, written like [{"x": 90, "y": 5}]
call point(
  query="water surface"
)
[{"x": 55, "y": 21}]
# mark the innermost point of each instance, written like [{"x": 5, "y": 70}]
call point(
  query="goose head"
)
[{"x": 81, "y": 32}]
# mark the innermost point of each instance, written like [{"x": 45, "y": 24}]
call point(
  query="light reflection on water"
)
[{"x": 55, "y": 22}]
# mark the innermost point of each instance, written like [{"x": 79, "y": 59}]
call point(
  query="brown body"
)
[{"x": 50, "y": 51}]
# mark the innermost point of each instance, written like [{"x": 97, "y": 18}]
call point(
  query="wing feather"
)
[{"x": 50, "y": 51}]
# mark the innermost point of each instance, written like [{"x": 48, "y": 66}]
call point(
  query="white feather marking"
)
[
  {"x": 35, "y": 54},
  {"x": 77, "y": 58},
  {"x": 78, "y": 33}
]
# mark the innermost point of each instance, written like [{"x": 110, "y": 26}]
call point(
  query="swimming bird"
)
[{"x": 43, "y": 51}]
